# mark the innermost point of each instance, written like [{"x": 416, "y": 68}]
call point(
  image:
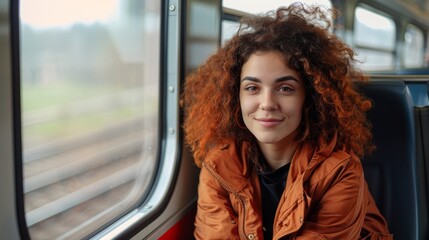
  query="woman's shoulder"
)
[
  {"x": 227, "y": 156},
  {"x": 339, "y": 158},
  {"x": 226, "y": 164},
  {"x": 219, "y": 150},
  {"x": 338, "y": 164}
]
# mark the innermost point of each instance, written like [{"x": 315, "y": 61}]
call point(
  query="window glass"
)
[
  {"x": 90, "y": 101},
  {"x": 374, "y": 39},
  {"x": 206, "y": 28},
  {"x": 413, "y": 47},
  {"x": 229, "y": 28},
  {"x": 258, "y": 6},
  {"x": 203, "y": 36},
  {"x": 370, "y": 60}
]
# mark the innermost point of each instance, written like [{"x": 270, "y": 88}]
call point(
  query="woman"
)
[{"x": 276, "y": 123}]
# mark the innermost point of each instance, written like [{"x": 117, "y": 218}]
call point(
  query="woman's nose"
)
[{"x": 268, "y": 102}]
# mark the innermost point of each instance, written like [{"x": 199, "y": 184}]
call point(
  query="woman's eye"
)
[
  {"x": 285, "y": 89},
  {"x": 251, "y": 88}
]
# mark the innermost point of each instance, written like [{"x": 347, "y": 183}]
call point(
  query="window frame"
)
[
  {"x": 169, "y": 129},
  {"x": 170, "y": 132}
]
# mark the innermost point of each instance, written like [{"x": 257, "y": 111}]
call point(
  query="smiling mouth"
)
[{"x": 269, "y": 122}]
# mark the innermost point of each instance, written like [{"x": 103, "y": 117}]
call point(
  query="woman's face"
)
[{"x": 271, "y": 98}]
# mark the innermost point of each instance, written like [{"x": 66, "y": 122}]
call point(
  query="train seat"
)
[
  {"x": 422, "y": 127},
  {"x": 392, "y": 171}
]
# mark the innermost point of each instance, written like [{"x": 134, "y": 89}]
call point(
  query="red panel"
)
[{"x": 183, "y": 229}]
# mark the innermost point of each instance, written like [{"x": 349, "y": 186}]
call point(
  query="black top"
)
[{"x": 272, "y": 186}]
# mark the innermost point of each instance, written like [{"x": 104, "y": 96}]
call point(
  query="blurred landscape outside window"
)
[{"x": 90, "y": 111}]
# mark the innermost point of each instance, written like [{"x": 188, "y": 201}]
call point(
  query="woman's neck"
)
[{"x": 278, "y": 154}]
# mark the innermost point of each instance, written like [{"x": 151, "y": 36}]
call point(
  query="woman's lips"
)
[{"x": 269, "y": 122}]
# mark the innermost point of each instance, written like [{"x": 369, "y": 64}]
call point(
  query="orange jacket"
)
[{"x": 326, "y": 197}]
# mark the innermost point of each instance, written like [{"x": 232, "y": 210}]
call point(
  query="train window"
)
[
  {"x": 413, "y": 47},
  {"x": 374, "y": 39},
  {"x": 203, "y": 35},
  {"x": 90, "y": 117},
  {"x": 256, "y": 6},
  {"x": 229, "y": 28},
  {"x": 241, "y": 7}
]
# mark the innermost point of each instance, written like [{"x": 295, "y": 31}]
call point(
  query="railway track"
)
[{"x": 78, "y": 183}]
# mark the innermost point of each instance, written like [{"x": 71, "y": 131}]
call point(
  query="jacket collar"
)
[
  {"x": 227, "y": 162},
  {"x": 308, "y": 157}
]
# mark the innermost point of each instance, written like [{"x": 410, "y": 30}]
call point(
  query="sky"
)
[{"x": 62, "y": 13}]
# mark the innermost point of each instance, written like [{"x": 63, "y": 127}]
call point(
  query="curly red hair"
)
[{"x": 333, "y": 106}]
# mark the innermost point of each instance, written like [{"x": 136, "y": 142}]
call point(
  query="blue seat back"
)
[{"x": 391, "y": 171}]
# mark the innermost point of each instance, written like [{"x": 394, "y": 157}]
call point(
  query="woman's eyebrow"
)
[
  {"x": 280, "y": 79},
  {"x": 287, "y": 78},
  {"x": 253, "y": 79}
]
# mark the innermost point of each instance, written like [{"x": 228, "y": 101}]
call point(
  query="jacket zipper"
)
[
  {"x": 219, "y": 179},
  {"x": 244, "y": 212}
]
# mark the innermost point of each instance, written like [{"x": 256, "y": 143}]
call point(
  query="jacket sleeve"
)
[
  {"x": 338, "y": 206},
  {"x": 215, "y": 217},
  {"x": 375, "y": 226}
]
